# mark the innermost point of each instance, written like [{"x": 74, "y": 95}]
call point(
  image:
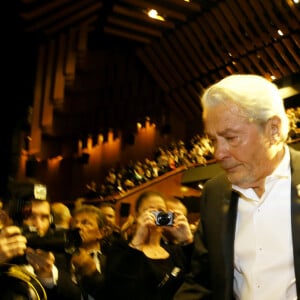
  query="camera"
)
[
  {"x": 163, "y": 218},
  {"x": 63, "y": 240}
]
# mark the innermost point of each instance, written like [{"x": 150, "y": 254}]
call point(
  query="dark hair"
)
[{"x": 145, "y": 195}]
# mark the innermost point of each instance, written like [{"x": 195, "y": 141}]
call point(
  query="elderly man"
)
[{"x": 247, "y": 243}]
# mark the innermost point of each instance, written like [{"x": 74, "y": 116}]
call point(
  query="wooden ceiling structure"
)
[{"x": 103, "y": 65}]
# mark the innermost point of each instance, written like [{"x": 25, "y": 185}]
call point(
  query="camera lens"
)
[{"x": 164, "y": 219}]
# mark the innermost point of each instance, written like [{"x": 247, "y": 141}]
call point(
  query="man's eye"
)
[{"x": 232, "y": 139}]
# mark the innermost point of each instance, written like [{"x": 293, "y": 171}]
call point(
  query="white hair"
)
[{"x": 258, "y": 98}]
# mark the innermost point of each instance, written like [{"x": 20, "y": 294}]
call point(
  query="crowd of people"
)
[
  {"x": 198, "y": 151},
  {"x": 121, "y": 179},
  {"x": 245, "y": 245}
]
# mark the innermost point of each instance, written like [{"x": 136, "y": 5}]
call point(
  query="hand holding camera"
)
[
  {"x": 12, "y": 243},
  {"x": 180, "y": 231},
  {"x": 42, "y": 262}
]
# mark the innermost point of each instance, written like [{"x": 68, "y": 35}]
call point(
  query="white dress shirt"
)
[{"x": 263, "y": 260}]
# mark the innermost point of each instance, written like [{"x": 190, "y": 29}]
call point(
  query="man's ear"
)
[{"x": 273, "y": 129}]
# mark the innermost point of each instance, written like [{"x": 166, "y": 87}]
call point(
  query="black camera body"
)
[
  {"x": 163, "y": 218},
  {"x": 63, "y": 240}
]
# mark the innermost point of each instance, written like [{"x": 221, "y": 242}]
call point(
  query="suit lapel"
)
[
  {"x": 295, "y": 211},
  {"x": 229, "y": 221}
]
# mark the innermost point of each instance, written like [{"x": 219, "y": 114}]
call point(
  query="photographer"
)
[
  {"x": 48, "y": 252},
  {"x": 18, "y": 278}
]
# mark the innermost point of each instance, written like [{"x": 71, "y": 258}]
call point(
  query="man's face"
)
[
  {"x": 109, "y": 214},
  {"x": 89, "y": 231},
  {"x": 242, "y": 148},
  {"x": 39, "y": 217}
]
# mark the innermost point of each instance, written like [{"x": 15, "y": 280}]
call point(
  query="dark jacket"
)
[{"x": 212, "y": 265}]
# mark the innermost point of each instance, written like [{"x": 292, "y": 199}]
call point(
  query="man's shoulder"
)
[{"x": 219, "y": 180}]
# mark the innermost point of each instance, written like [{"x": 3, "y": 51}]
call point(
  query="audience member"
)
[
  {"x": 112, "y": 231},
  {"x": 90, "y": 259},
  {"x": 147, "y": 268},
  {"x": 51, "y": 266},
  {"x": 128, "y": 227},
  {"x": 247, "y": 241},
  {"x": 109, "y": 212},
  {"x": 61, "y": 215}
]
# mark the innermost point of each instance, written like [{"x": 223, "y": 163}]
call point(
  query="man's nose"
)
[{"x": 220, "y": 151}]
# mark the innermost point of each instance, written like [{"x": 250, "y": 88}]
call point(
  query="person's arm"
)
[
  {"x": 196, "y": 284},
  {"x": 54, "y": 277}
]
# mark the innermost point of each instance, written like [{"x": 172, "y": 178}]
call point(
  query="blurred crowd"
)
[{"x": 198, "y": 151}]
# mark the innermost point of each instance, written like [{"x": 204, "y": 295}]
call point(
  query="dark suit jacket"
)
[{"x": 212, "y": 264}]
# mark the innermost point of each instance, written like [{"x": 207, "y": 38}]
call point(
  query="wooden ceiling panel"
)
[{"x": 161, "y": 65}]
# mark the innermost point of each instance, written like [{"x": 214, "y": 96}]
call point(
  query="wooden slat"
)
[
  {"x": 162, "y": 10},
  {"x": 59, "y": 78},
  {"x": 255, "y": 61},
  {"x": 126, "y": 34},
  {"x": 292, "y": 49},
  {"x": 134, "y": 26},
  {"x": 283, "y": 53},
  {"x": 284, "y": 13},
  {"x": 250, "y": 16},
  {"x": 267, "y": 60},
  {"x": 43, "y": 9},
  {"x": 166, "y": 62},
  {"x": 183, "y": 106},
  {"x": 186, "y": 99},
  {"x": 227, "y": 33},
  {"x": 82, "y": 44},
  {"x": 294, "y": 9},
  {"x": 188, "y": 6},
  {"x": 83, "y": 16},
  {"x": 204, "y": 47},
  {"x": 222, "y": 46},
  {"x": 239, "y": 66},
  {"x": 64, "y": 16},
  {"x": 263, "y": 18},
  {"x": 174, "y": 107},
  {"x": 49, "y": 82},
  {"x": 226, "y": 11},
  {"x": 138, "y": 15},
  {"x": 191, "y": 53},
  {"x": 176, "y": 61},
  {"x": 156, "y": 74},
  {"x": 244, "y": 24},
  {"x": 35, "y": 130},
  {"x": 194, "y": 43},
  {"x": 70, "y": 62},
  {"x": 195, "y": 97},
  {"x": 275, "y": 57},
  {"x": 268, "y": 6},
  {"x": 155, "y": 59},
  {"x": 182, "y": 55}
]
